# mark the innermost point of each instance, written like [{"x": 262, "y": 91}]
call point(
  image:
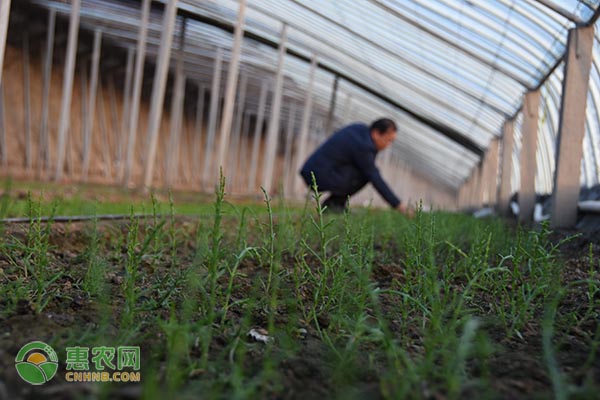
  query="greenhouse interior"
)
[{"x": 368, "y": 199}]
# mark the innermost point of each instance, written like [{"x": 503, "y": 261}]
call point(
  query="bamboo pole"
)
[
  {"x": 287, "y": 159},
  {"x": 104, "y": 135},
  {"x": 27, "y": 100},
  {"x": 89, "y": 123},
  {"x": 235, "y": 139},
  {"x": 126, "y": 108},
  {"x": 304, "y": 127},
  {"x": 44, "y": 150},
  {"x": 158, "y": 92},
  {"x": 260, "y": 120},
  {"x": 67, "y": 93},
  {"x": 132, "y": 131},
  {"x": 230, "y": 90},
  {"x": 177, "y": 101},
  {"x": 208, "y": 171},
  {"x": 198, "y": 128},
  {"x": 273, "y": 133}
]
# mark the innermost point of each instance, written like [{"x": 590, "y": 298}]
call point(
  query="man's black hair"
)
[{"x": 383, "y": 125}]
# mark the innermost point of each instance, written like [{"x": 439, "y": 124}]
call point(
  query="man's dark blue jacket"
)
[{"x": 346, "y": 162}]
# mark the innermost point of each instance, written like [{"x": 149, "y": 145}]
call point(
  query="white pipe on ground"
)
[{"x": 589, "y": 206}]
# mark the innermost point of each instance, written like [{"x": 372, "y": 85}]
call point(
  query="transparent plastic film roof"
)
[{"x": 450, "y": 72}]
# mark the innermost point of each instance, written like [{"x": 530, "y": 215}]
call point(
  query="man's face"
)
[{"x": 383, "y": 140}]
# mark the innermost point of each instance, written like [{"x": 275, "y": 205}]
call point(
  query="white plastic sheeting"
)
[{"x": 457, "y": 66}]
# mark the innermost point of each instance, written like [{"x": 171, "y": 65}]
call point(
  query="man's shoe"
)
[{"x": 335, "y": 204}]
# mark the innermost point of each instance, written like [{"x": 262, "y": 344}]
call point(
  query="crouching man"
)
[{"x": 345, "y": 163}]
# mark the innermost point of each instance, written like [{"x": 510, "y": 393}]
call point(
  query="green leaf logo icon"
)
[{"x": 36, "y": 363}]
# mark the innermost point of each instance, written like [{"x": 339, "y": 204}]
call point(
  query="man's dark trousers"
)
[{"x": 343, "y": 183}]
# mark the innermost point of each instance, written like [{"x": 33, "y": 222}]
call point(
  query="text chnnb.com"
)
[{"x": 102, "y": 377}]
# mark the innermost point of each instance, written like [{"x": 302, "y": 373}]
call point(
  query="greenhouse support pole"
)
[
  {"x": 492, "y": 173},
  {"x": 332, "y": 104},
  {"x": 469, "y": 190},
  {"x": 287, "y": 159},
  {"x": 4, "y": 14},
  {"x": 527, "y": 158},
  {"x": 104, "y": 134},
  {"x": 474, "y": 184},
  {"x": 89, "y": 122},
  {"x": 230, "y": 90},
  {"x": 571, "y": 128},
  {"x": 271, "y": 151},
  {"x": 186, "y": 149},
  {"x": 140, "y": 57},
  {"x": 455, "y": 205},
  {"x": 173, "y": 151},
  {"x": 122, "y": 139},
  {"x": 486, "y": 177},
  {"x": 27, "y": 100},
  {"x": 504, "y": 190},
  {"x": 258, "y": 128},
  {"x": 73, "y": 156},
  {"x": 485, "y": 167},
  {"x": 243, "y": 163},
  {"x": 116, "y": 132},
  {"x": 197, "y": 142},
  {"x": 158, "y": 89},
  {"x": 462, "y": 196},
  {"x": 479, "y": 185},
  {"x": 458, "y": 196},
  {"x": 177, "y": 102},
  {"x": 299, "y": 186},
  {"x": 71, "y": 131},
  {"x": 44, "y": 151},
  {"x": 237, "y": 129},
  {"x": 212, "y": 118},
  {"x": 67, "y": 93}
]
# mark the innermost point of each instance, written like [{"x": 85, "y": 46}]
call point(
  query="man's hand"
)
[{"x": 405, "y": 210}]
